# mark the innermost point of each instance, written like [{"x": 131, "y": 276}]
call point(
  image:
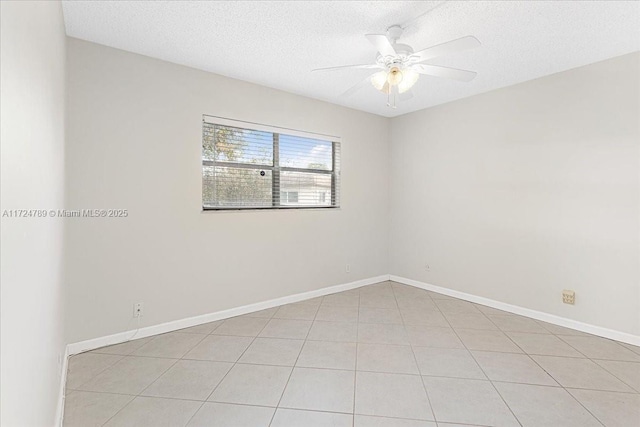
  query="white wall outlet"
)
[
  {"x": 347, "y": 268},
  {"x": 568, "y": 297},
  {"x": 137, "y": 309},
  {"x": 427, "y": 267}
]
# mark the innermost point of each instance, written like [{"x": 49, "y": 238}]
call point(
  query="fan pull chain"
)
[{"x": 391, "y": 98}]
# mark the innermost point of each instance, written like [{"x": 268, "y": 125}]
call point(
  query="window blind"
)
[{"x": 250, "y": 166}]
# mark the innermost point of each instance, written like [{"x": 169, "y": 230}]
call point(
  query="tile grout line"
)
[
  {"x": 93, "y": 376},
  {"x": 379, "y": 323},
  {"x": 161, "y": 374},
  {"x": 582, "y": 352},
  {"x": 483, "y": 372},
  {"x": 225, "y": 375},
  {"x": 544, "y": 370},
  {"x": 524, "y": 353},
  {"x": 119, "y": 360},
  {"x": 415, "y": 359},
  {"x": 268, "y": 319},
  {"x": 295, "y": 363},
  {"x": 177, "y": 360},
  {"x": 355, "y": 367},
  {"x": 579, "y": 402},
  {"x": 540, "y": 366},
  {"x": 226, "y": 403},
  {"x": 137, "y": 395},
  {"x": 620, "y": 379},
  {"x": 182, "y": 358},
  {"x": 582, "y": 356},
  {"x": 633, "y": 392},
  {"x": 548, "y": 373}
]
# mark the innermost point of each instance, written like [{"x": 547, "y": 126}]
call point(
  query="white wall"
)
[
  {"x": 521, "y": 192},
  {"x": 134, "y": 142},
  {"x": 32, "y": 82}
]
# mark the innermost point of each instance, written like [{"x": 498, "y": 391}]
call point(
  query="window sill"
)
[{"x": 280, "y": 209}]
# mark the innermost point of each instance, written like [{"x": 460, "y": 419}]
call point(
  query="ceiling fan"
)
[{"x": 400, "y": 67}]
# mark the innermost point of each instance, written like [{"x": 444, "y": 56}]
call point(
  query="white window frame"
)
[{"x": 336, "y": 142}]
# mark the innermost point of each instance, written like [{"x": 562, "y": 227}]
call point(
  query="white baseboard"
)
[
  {"x": 162, "y": 328},
  {"x": 121, "y": 337},
  {"x": 534, "y": 314},
  {"x": 63, "y": 386}
]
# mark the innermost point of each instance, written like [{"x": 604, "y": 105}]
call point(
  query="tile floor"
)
[{"x": 379, "y": 356}]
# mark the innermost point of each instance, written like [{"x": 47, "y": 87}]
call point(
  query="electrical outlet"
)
[
  {"x": 347, "y": 268},
  {"x": 427, "y": 267},
  {"x": 137, "y": 309},
  {"x": 568, "y": 297}
]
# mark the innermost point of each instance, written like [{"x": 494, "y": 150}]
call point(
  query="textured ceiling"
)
[{"x": 276, "y": 44}]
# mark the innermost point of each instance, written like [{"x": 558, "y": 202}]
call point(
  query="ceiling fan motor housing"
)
[
  {"x": 401, "y": 59},
  {"x": 394, "y": 32},
  {"x": 403, "y": 49}
]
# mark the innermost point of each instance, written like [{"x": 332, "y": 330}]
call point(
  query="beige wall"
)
[
  {"x": 521, "y": 192},
  {"x": 512, "y": 195},
  {"x": 134, "y": 142},
  {"x": 32, "y": 83}
]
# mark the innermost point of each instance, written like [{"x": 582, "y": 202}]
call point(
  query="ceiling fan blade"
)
[
  {"x": 382, "y": 44},
  {"x": 458, "y": 45},
  {"x": 353, "y": 89},
  {"x": 446, "y": 72},
  {"x": 406, "y": 95},
  {"x": 347, "y": 67}
]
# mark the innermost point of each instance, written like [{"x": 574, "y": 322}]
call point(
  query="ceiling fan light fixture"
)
[
  {"x": 409, "y": 78},
  {"x": 378, "y": 80},
  {"x": 385, "y": 80},
  {"x": 395, "y": 76}
]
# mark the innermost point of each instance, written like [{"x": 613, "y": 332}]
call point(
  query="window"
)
[
  {"x": 250, "y": 166},
  {"x": 288, "y": 197}
]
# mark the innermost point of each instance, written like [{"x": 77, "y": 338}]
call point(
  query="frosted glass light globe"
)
[
  {"x": 379, "y": 79},
  {"x": 410, "y": 77}
]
